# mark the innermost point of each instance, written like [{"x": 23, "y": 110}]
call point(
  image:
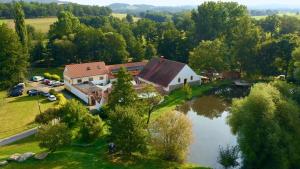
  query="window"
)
[
  {"x": 101, "y": 78},
  {"x": 91, "y": 79},
  {"x": 179, "y": 80},
  {"x": 192, "y": 77},
  {"x": 79, "y": 81}
]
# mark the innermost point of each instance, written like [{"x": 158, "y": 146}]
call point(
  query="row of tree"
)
[{"x": 36, "y": 10}]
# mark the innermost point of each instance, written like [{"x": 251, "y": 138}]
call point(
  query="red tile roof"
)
[
  {"x": 161, "y": 71},
  {"x": 85, "y": 69}
]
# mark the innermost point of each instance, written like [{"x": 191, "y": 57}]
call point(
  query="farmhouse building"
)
[
  {"x": 91, "y": 81},
  {"x": 168, "y": 74}
]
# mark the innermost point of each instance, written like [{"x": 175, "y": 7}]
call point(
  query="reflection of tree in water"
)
[{"x": 208, "y": 106}]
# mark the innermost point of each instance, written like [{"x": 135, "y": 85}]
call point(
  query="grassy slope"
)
[
  {"x": 40, "y": 24},
  {"x": 17, "y": 114},
  {"x": 94, "y": 157},
  {"x": 122, "y": 15}
]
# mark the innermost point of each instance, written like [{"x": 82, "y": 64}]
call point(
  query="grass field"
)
[
  {"x": 18, "y": 113},
  {"x": 122, "y": 15},
  {"x": 40, "y": 24},
  {"x": 93, "y": 157},
  {"x": 280, "y": 14}
]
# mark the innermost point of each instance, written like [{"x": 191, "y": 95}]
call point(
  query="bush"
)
[
  {"x": 52, "y": 76},
  {"x": 228, "y": 157},
  {"x": 55, "y": 77},
  {"x": 187, "y": 91},
  {"x": 47, "y": 75},
  {"x": 61, "y": 99},
  {"x": 176, "y": 128},
  {"x": 90, "y": 128},
  {"x": 47, "y": 116},
  {"x": 53, "y": 137}
]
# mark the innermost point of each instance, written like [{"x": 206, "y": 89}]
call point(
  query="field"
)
[
  {"x": 40, "y": 24},
  {"x": 43, "y": 24},
  {"x": 93, "y": 157},
  {"x": 17, "y": 114},
  {"x": 280, "y": 14}
]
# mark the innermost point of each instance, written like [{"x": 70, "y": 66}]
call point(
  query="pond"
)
[{"x": 208, "y": 115}]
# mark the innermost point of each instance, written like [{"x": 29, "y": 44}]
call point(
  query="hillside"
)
[
  {"x": 127, "y": 8},
  {"x": 40, "y": 1}
]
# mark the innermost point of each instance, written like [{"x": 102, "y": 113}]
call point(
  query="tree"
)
[
  {"x": 123, "y": 93},
  {"x": 150, "y": 51},
  {"x": 20, "y": 26},
  {"x": 47, "y": 116},
  {"x": 296, "y": 56},
  {"x": 264, "y": 121},
  {"x": 228, "y": 157},
  {"x": 114, "y": 48},
  {"x": 90, "y": 128},
  {"x": 13, "y": 59},
  {"x": 72, "y": 113},
  {"x": 138, "y": 53},
  {"x": 213, "y": 19},
  {"x": 53, "y": 137},
  {"x": 171, "y": 135},
  {"x": 129, "y": 18},
  {"x": 271, "y": 24},
  {"x": 151, "y": 99},
  {"x": 209, "y": 55},
  {"x": 67, "y": 24},
  {"x": 127, "y": 129}
]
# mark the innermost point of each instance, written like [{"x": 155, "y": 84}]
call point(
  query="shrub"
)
[
  {"x": 47, "y": 75},
  {"x": 228, "y": 157},
  {"x": 187, "y": 91},
  {"x": 53, "y": 137},
  {"x": 47, "y": 116},
  {"x": 90, "y": 128},
  {"x": 61, "y": 99},
  {"x": 171, "y": 135},
  {"x": 55, "y": 77}
]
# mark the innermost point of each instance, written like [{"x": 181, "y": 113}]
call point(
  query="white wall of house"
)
[
  {"x": 185, "y": 73},
  {"x": 77, "y": 92}
]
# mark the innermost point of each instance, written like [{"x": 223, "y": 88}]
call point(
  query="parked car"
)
[
  {"x": 46, "y": 94},
  {"x": 46, "y": 81},
  {"x": 37, "y": 78},
  {"x": 16, "y": 92},
  {"x": 33, "y": 92},
  {"x": 57, "y": 83},
  {"x": 52, "y": 98}
]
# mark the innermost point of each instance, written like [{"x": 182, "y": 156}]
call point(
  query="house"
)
[
  {"x": 168, "y": 74},
  {"x": 91, "y": 81}
]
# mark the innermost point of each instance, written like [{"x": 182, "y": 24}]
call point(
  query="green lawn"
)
[
  {"x": 40, "y": 24},
  {"x": 177, "y": 97},
  {"x": 18, "y": 113},
  {"x": 94, "y": 157}
]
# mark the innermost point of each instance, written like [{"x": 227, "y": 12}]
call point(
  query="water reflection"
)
[
  {"x": 208, "y": 115},
  {"x": 208, "y": 106}
]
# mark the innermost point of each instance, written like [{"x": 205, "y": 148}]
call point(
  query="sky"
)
[{"x": 291, "y": 3}]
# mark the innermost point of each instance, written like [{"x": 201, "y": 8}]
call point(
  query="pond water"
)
[{"x": 208, "y": 115}]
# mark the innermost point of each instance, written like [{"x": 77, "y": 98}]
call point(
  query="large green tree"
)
[
  {"x": 264, "y": 121},
  {"x": 13, "y": 59},
  {"x": 296, "y": 56},
  {"x": 213, "y": 19},
  {"x": 123, "y": 93},
  {"x": 127, "y": 128},
  {"x": 209, "y": 55},
  {"x": 20, "y": 26}
]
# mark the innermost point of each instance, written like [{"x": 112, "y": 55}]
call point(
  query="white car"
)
[
  {"x": 37, "y": 78},
  {"x": 52, "y": 98}
]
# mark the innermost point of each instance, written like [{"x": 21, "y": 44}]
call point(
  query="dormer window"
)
[{"x": 88, "y": 68}]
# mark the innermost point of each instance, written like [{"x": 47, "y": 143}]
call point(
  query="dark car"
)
[
  {"x": 16, "y": 92},
  {"x": 46, "y": 94},
  {"x": 33, "y": 92}
]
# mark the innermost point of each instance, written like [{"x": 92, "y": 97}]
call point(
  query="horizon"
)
[{"x": 249, "y": 3}]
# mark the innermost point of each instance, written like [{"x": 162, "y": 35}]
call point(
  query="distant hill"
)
[{"x": 127, "y": 8}]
